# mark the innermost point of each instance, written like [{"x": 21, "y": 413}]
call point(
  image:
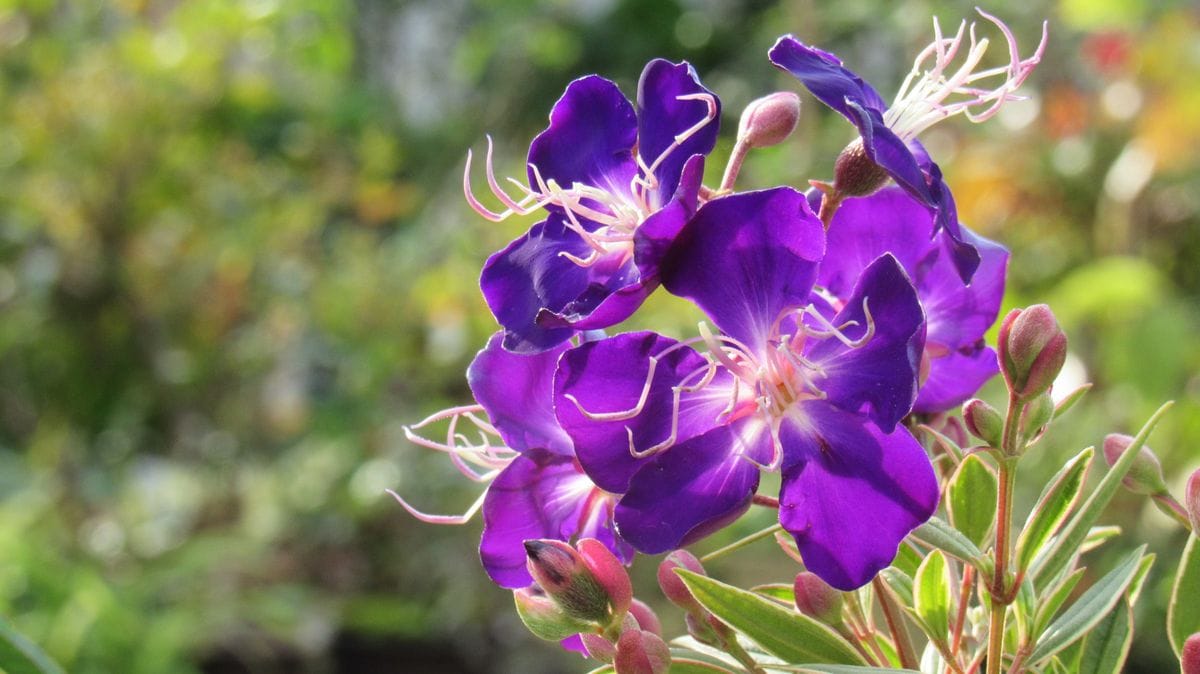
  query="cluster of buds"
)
[{"x": 585, "y": 590}]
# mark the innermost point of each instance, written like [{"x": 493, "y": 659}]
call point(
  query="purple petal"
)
[
  {"x": 591, "y": 137},
  {"x": 822, "y": 73},
  {"x": 574, "y": 643},
  {"x": 694, "y": 488},
  {"x": 745, "y": 258},
  {"x": 517, "y": 392},
  {"x": 881, "y": 375},
  {"x": 609, "y": 376},
  {"x": 891, "y": 153},
  {"x": 657, "y": 232},
  {"x": 539, "y": 495},
  {"x": 851, "y": 492},
  {"x": 955, "y": 377},
  {"x": 662, "y": 117},
  {"x": 963, "y": 252},
  {"x": 959, "y": 315}
]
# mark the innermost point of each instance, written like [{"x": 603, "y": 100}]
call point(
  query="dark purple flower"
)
[
  {"x": 537, "y": 488},
  {"x": 888, "y": 134},
  {"x": 617, "y": 184},
  {"x": 957, "y": 316},
  {"x": 789, "y": 384}
]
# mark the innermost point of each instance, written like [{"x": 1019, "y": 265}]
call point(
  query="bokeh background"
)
[{"x": 235, "y": 259}]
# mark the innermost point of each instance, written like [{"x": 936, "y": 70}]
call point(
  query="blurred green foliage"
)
[{"x": 234, "y": 259}]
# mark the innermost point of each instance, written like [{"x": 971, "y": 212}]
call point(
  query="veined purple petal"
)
[
  {"x": 955, "y": 377},
  {"x": 655, "y": 235},
  {"x": 538, "y": 495},
  {"x": 609, "y": 376},
  {"x": 959, "y": 315},
  {"x": 891, "y": 153},
  {"x": 695, "y": 488},
  {"x": 850, "y": 492},
  {"x": 662, "y": 116},
  {"x": 591, "y": 138},
  {"x": 880, "y": 376},
  {"x": 517, "y": 392},
  {"x": 746, "y": 257},
  {"x": 822, "y": 73},
  {"x": 966, "y": 257}
]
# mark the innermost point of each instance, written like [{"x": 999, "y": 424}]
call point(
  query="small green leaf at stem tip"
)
[
  {"x": 931, "y": 595},
  {"x": 1070, "y": 399},
  {"x": 19, "y": 655},
  {"x": 1089, "y": 609},
  {"x": 1183, "y": 615},
  {"x": 971, "y": 501},
  {"x": 784, "y": 633},
  {"x": 1063, "y": 547},
  {"x": 1054, "y": 505}
]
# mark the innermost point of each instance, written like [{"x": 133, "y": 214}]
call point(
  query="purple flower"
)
[
  {"x": 888, "y": 134},
  {"x": 537, "y": 488},
  {"x": 957, "y": 316},
  {"x": 617, "y": 185},
  {"x": 789, "y": 384}
]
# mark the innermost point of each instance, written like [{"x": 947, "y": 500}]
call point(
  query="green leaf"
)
[
  {"x": 1062, "y": 548},
  {"x": 1070, "y": 399},
  {"x": 787, "y": 634},
  {"x": 1183, "y": 616},
  {"x": 1056, "y": 502},
  {"x": 900, "y": 582},
  {"x": 1139, "y": 578},
  {"x": 686, "y": 666},
  {"x": 837, "y": 669},
  {"x": 778, "y": 592},
  {"x": 19, "y": 655},
  {"x": 907, "y": 559},
  {"x": 931, "y": 597},
  {"x": 1107, "y": 645},
  {"x": 936, "y": 533},
  {"x": 1097, "y": 536},
  {"x": 1054, "y": 599},
  {"x": 1089, "y": 609},
  {"x": 971, "y": 499}
]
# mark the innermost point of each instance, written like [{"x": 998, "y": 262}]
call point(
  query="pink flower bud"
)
[
  {"x": 598, "y": 647},
  {"x": 1189, "y": 659},
  {"x": 544, "y": 617},
  {"x": 983, "y": 421},
  {"x": 562, "y": 573},
  {"x": 1145, "y": 474},
  {"x": 1032, "y": 349},
  {"x": 608, "y": 571},
  {"x": 769, "y": 120},
  {"x": 1191, "y": 501},
  {"x": 855, "y": 174},
  {"x": 816, "y": 599},
  {"x": 641, "y": 652},
  {"x": 672, "y": 585},
  {"x": 646, "y": 618}
]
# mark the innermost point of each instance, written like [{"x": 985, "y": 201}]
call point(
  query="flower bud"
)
[
  {"x": 983, "y": 421},
  {"x": 646, "y": 618},
  {"x": 544, "y": 617},
  {"x": 608, "y": 571},
  {"x": 672, "y": 585},
  {"x": 562, "y": 573},
  {"x": 855, "y": 174},
  {"x": 1032, "y": 349},
  {"x": 1191, "y": 501},
  {"x": 1036, "y": 417},
  {"x": 1189, "y": 659},
  {"x": 641, "y": 652},
  {"x": 817, "y": 599},
  {"x": 1145, "y": 474},
  {"x": 769, "y": 120},
  {"x": 599, "y": 648}
]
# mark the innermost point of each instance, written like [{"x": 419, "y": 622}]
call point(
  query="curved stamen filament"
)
[
  {"x": 677, "y": 391},
  {"x": 828, "y": 329},
  {"x": 441, "y": 519}
]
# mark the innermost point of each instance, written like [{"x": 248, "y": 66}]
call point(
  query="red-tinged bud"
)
[
  {"x": 707, "y": 629},
  {"x": 609, "y": 572},
  {"x": 1145, "y": 474},
  {"x": 646, "y": 618},
  {"x": 672, "y": 585},
  {"x": 641, "y": 652},
  {"x": 1191, "y": 501},
  {"x": 769, "y": 120},
  {"x": 561, "y": 572},
  {"x": 544, "y": 617},
  {"x": 816, "y": 599},
  {"x": 1189, "y": 659},
  {"x": 598, "y": 647},
  {"x": 1032, "y": 349},
  {"x": 983, "y": 421},
  {"x": 855, "y": 174},
  {"x": 1036, "y": 417}
]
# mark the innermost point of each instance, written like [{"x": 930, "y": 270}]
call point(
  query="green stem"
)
[
  {"x": 741, "y": 543},
  {"x": 735, "y": 649},
  {"x": 1000, "y": 596}
]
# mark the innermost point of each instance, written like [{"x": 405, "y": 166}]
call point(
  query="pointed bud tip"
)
[
  {"x": 817, "y": 599},
  {"x": 673, "y": 586},
  {"x": 769, "y": 120},
  {"x": 1145, "y": 475},
  {"x": 608, "y": 571},
  {"x": 641, "y": 652},
  {"x": 1032, "y": 349}
]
